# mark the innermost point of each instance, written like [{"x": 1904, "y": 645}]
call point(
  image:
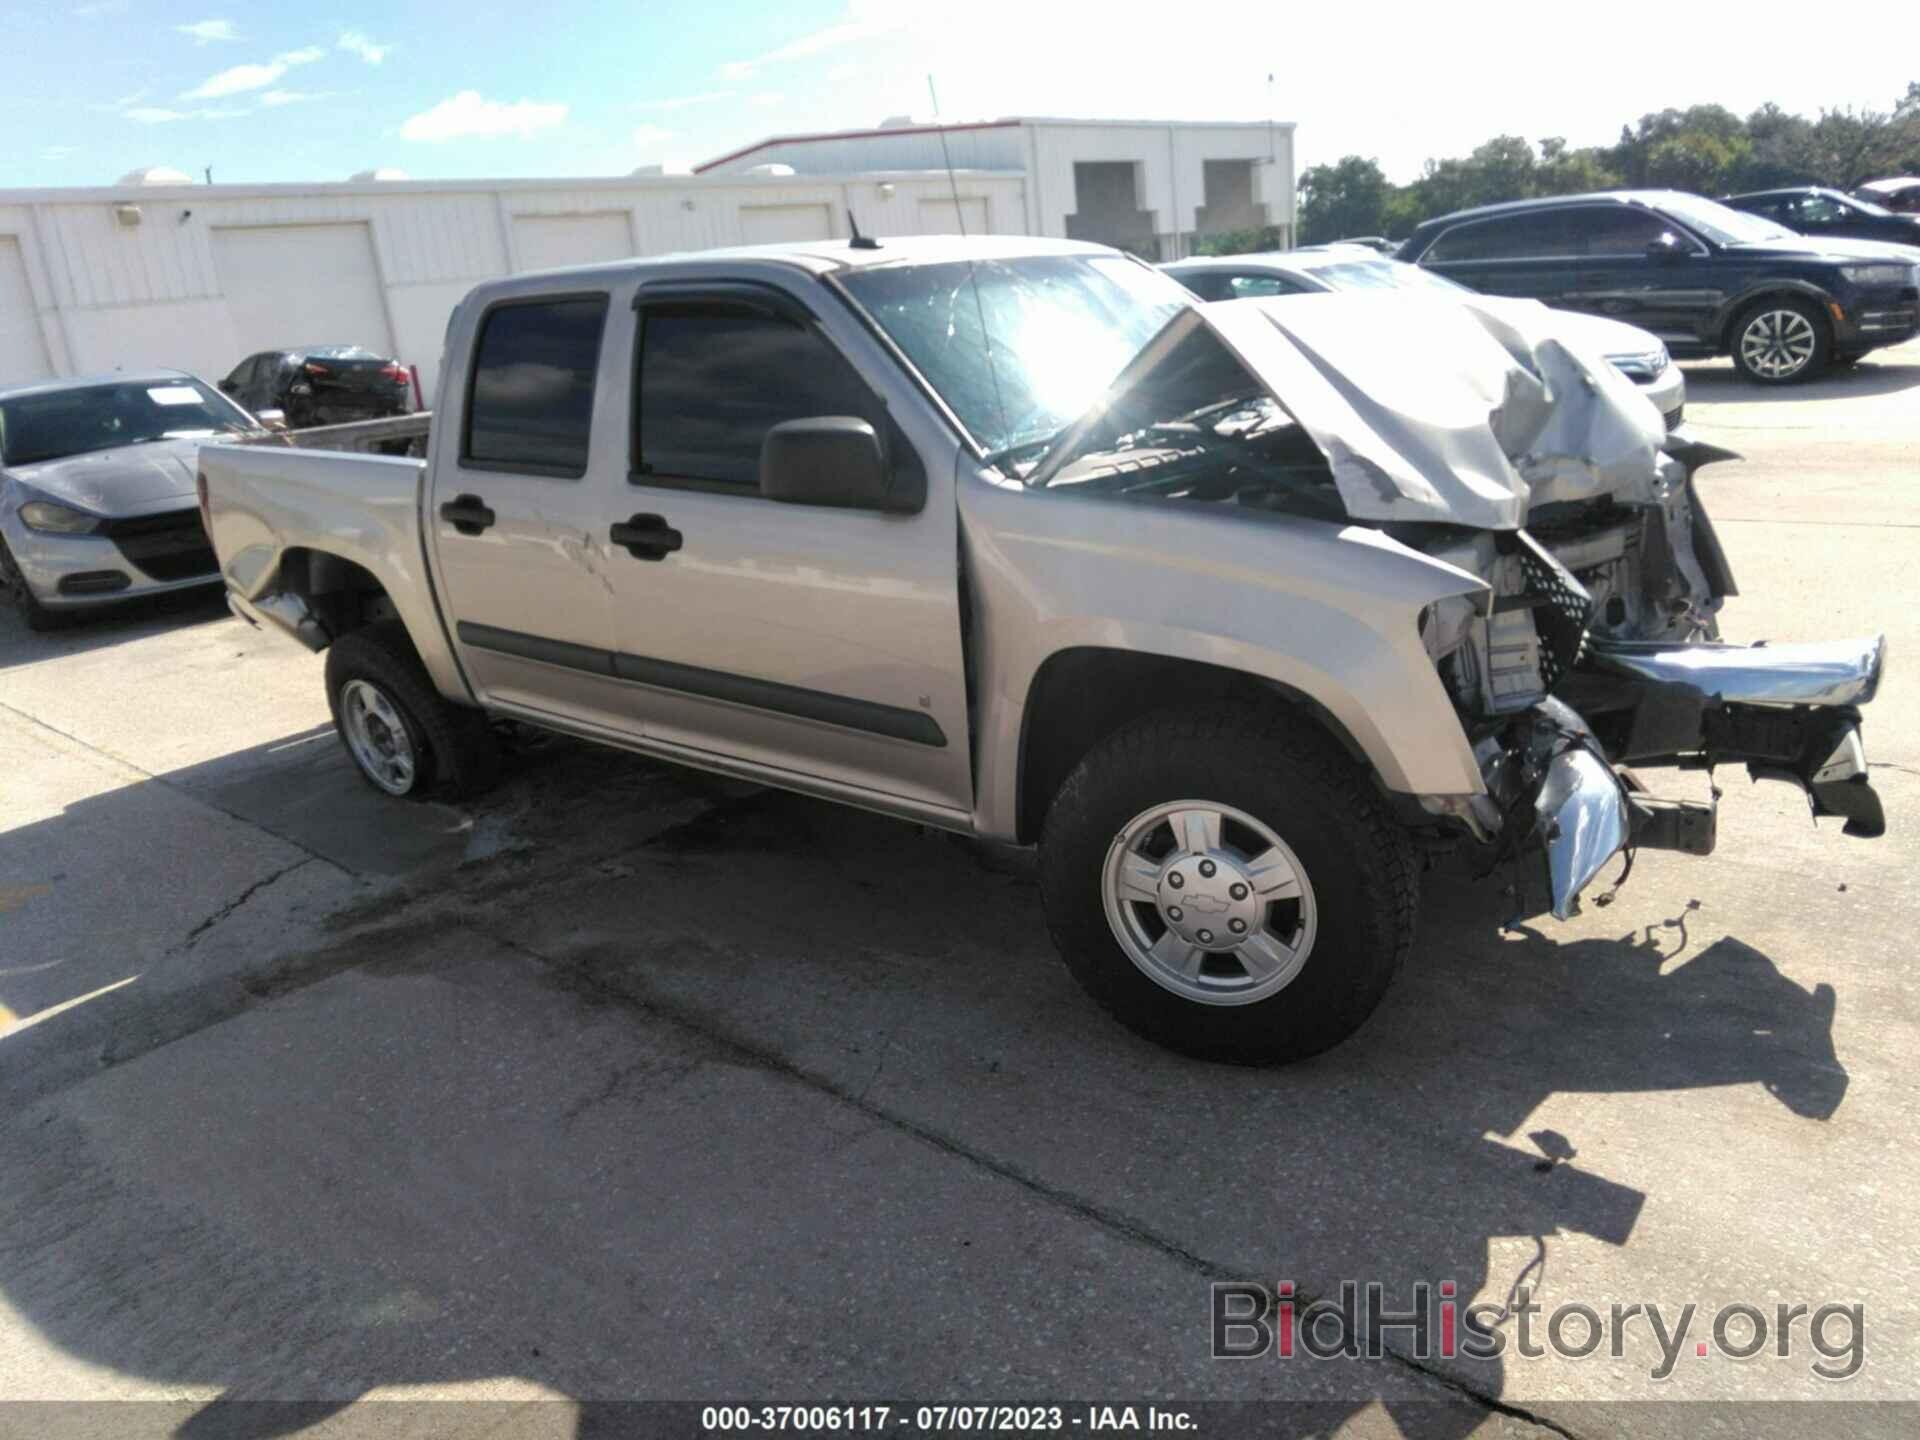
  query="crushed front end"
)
[{"x": 1598, "y": 650}]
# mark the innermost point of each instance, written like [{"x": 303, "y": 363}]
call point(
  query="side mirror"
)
[
  {"x": 1666, "y": 246},
  {"x": 834, "y": 460},
  {"x": 271, "y": 419}
]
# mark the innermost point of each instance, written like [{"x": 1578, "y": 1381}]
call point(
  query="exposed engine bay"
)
[{"x": 1586, "y": 634}]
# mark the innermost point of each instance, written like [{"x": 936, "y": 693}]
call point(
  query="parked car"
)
[
  {"x": 322, "y": 385},
  {"x": 1378, "y": 243},
  {"x": 1708, "y": 280},
  {"x": 1319, "y": 269},
  {"x": 1900, "y": 195},
  {"x": 97, "y": 489},
  {"x": 1232, "y": 609},
  {"x": 1822, "y": 213}
]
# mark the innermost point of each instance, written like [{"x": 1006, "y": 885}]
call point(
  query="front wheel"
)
[
  {"x": 1779, "y": 342},
  {"x": 15, "y": 591},
  {"x": 403, "y": 736},
  {"x": 1229, "y": 884}
]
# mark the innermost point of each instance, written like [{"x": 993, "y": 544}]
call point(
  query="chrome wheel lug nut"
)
[
  {"x": 1239, "y": 927},
  {"x": 1176, "y": 880},
  {"x": 1206, "y": 937},
  {"x": 1174, "y": 914},
  {"x": 1206, "y": 869},
  {"x": 1238, "y": 892}
]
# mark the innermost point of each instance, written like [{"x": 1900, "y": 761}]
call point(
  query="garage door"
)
[
  {"x": 542, "y": 242},
  {"x": 293, "y": 285},
  {"x": 763, "y": 224},
  {"x": 937, "y": 217},
  {"x": 23, "y": 355}
]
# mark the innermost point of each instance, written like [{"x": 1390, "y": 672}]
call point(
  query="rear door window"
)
[
  {"x": 530, "y": 394},
  {"x": 713, "y": 380},
  {"x": 1615, "y": 231},
  {"x": 1536, "y": 235}
]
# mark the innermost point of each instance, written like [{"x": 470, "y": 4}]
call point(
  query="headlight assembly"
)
[
  {"x": 1881, "y": 274},
  {"x": 57, "y": 519}
]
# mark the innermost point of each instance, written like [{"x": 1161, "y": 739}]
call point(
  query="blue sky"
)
[{"x": 271, "y": 91}]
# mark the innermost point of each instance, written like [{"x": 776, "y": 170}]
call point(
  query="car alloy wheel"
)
[
  {"x": 1777, "y": 344},
  {"x": 378, "y": 737},
  {"x": 1209, "y": 903}
]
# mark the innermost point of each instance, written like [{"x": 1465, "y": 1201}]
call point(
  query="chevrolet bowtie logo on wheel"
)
[{"x": 1206, "y": 904}]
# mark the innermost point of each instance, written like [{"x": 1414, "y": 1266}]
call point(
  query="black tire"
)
[
  {"x": 456, "y": 754},
  {"x": 1775, "y": 310},
  {"x": 1276, "y": 767},
  {"x": 20, "y": 596}
]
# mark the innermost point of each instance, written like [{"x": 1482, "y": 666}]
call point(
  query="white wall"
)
[
  {"x": 100, "y": 294},
  {"x": 1169, "y": 156}
]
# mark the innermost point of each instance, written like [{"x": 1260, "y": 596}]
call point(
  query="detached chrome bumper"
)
[
  {"x": 1833, "y": 672},
  {"x": 1788, "y": 712}
]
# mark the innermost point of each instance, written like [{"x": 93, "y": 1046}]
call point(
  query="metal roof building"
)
[{"x": 154, "y": 272}]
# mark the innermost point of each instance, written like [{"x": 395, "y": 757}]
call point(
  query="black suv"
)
[
  {"x": 1706, "y": 279},
  {"x": 1821, "y": 213}
]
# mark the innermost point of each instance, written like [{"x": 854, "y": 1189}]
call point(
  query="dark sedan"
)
[
  {"x": 322, "y": 385},
  {"x": 1901, "y": 194},
  {"x": 1707, "y": 279},
  {"x": 1821, "y": 213}
]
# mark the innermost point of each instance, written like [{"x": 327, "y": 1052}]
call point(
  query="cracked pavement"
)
[{"x": 634, "y": 1083}]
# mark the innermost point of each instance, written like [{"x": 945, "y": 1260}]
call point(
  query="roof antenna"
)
[
  {"x": 859, "y": 241},
  {"x": 973, "y": 273}
]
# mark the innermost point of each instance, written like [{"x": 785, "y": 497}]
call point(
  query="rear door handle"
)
[
  {"x": 646, "y": 537},
  {"x": 467, "y": 513}
]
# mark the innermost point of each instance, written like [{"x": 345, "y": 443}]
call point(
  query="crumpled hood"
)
[
  {"x": 126, "y": 481},
  {"x": 1443, "y": 410}
]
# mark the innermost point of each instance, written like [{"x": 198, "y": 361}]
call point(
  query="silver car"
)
[
  {"x": 1638, "y": 354},
  {"x": 97, "y": 498}
]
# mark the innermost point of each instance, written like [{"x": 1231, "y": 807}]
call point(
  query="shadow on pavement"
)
[{"x": 787, "y": 1100}]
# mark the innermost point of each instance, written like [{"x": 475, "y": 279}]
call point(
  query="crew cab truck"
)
[{"x": 1233, "y": 610}]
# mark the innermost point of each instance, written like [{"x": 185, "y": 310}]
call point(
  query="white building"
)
[{"x": 152, "y": 272}]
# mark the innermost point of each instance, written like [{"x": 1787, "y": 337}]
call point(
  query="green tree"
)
[{"x": 1348, "y": 197}]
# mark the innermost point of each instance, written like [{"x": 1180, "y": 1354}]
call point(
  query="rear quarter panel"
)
[{"x": 264, "y": 501}]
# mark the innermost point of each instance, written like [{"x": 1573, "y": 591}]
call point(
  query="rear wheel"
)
[
  {"x": 1228, "y": 884},
  {"x": 18, "y": 594},
  {"x": 1781, "y": 342},
  {"x": 403, "y": 736}
]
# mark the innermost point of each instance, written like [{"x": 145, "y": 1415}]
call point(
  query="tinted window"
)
[
  {"x": 713, "y": 382},
  {"x": 1616, "y": 230},
  {"x": 53, "y": 424},
  {"x": 1538, "y": 235},
  {"x": 531, "y": 402}
]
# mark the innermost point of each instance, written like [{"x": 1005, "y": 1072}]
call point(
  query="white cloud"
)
[
  {"x": 156, "y": 115},
  {"x": 355, "y": 42},
  {"x": 294, "y": 97},
  {"x": 864, "y": 20},
  {"x": 238, "y": 79},
  {"x": 650, "y": 135},
  {"x": 58, "y": 152},
  {"x": 685, "y": 101},
  {"x": 466, "y": 114},
  {"x": 204, "y": 31},
  {"x": 766, "y": 97}
]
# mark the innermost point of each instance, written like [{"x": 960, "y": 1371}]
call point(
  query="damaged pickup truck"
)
[{"x": 1235, "y": 610}]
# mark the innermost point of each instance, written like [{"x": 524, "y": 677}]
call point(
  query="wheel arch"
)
[
  {"x": 1082, "y": 694},
  {"x": 1774, "y": 289}
]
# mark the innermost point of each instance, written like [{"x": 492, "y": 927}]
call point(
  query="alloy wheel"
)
[
  {"x": 378, "y": 737},
  {"x": 1778, "y": 344},
  {"x": 1209, "y": 902}
]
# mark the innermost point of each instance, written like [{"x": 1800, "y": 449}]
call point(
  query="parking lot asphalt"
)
[{"x": 633, "y": 1083}]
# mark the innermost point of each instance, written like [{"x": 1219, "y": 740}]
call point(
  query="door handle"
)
[
  {"x": 467, "y": 513},
  {"x": 646, "y": 537}
]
